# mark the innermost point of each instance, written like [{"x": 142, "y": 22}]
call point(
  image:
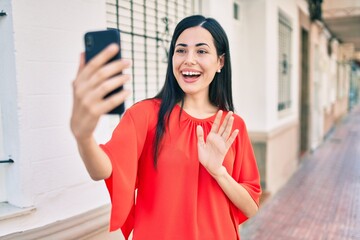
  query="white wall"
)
[
  {"x": 48, "y": 173},
  {"x": 256, "y": 82},
  {"x": 252, "y": 90},
  {"x": 254, "y": 52},
  {"x": 258, "y": 89},
  {"x": 281, "y": 163},
  {"x": 291, "y": 10},
  {"x": 247, "y": 43}
]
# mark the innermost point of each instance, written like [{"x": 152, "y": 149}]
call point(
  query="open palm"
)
[{"x": 212, "y": 151}]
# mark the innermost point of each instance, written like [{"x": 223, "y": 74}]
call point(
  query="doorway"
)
[{"x": 304, "y": 95}]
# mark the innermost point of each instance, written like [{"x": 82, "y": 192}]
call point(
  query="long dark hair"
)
[{"x": 220, "y": 93}]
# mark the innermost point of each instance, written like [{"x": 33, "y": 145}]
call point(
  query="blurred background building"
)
[{"x": 296, "y": 73}]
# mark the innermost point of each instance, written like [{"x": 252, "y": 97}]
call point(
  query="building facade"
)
[{"x": 291, "y": 84}]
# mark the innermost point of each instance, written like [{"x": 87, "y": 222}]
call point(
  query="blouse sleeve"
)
[
  {"x": 245, "y": 169},
  {"x": 124, "y": 150}
]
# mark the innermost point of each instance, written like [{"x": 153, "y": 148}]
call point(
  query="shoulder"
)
[
  {"x": 243, "y": 136},
  {"x": 144, "y": 111},
  {"x": 147, "y": 106},
  {"x": 239, "y": 122}
]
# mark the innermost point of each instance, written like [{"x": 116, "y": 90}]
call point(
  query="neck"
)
[{"x": 199, "y": 107}]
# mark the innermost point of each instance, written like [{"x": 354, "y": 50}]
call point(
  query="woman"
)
[{"x": 185, "y": 151}]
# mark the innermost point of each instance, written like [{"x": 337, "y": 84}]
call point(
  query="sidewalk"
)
[{"x": 322, "y": 199}]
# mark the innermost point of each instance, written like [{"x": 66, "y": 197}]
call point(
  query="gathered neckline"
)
[{"x": 187, "y": 115}]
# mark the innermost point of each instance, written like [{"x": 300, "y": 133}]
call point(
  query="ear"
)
[{"x": 221, "y": 60}]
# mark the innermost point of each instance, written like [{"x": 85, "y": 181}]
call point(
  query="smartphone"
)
[{"x": 95, "y": 42}]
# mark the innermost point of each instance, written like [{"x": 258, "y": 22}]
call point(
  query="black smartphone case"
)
[{"x": 95, "y": 42}]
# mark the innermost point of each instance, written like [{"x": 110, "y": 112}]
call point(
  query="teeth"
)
[{"x": 191, "y": 73}]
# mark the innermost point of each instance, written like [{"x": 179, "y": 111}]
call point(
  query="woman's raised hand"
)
[
  {"x": 212, "y": 151},
  {"x": 95, "y": 80}
]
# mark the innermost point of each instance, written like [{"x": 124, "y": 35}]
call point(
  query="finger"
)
[
  {"x": 225, "y": 123},
  {"x": 216, "y": 124},
  {"x": 113, "y": 101},
  {"x": 101, "y": 76},
  {"x": 107, "y": 71},
  {"x": 109, "y": 85},
  {"x": 85, "y": 71},
  {"x": 228, "y": 128},
  {"x": 200, "y": 135},
  {"x": 100, "y": 59},
  {"x": 93, "y": 101},
  {"x": 232, "y": 138},
  {"x": 75, "y": 83},
  {"x": 81, "y": 63}
]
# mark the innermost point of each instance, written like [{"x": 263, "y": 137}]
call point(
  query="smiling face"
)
[{"x": 195, "y": 61}]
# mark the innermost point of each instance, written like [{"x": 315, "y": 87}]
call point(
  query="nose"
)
[{"x": 190, "y": 59}]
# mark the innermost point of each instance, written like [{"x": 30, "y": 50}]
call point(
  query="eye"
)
[
  {"x": 202, "y": 51},
  {"x": 180, "y": 50}
]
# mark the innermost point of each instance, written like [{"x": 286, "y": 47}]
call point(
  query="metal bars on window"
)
[
  {"x": 146, "y": 28},
  {"x": 285, "y": 64}
]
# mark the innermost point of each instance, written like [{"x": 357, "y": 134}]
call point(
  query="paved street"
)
[{"x": 322, "y": 199}]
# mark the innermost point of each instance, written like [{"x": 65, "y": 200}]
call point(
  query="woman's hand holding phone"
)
[{"x": 95, "y": 80}]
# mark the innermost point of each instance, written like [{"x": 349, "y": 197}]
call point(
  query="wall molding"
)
[
  {"x": 264, "y": 136},
  {"x": 8, "y": 211},
  {"x": 78, "y": 227}
]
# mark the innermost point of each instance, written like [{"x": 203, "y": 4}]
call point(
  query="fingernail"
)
[{"x": 127, "y": 62}]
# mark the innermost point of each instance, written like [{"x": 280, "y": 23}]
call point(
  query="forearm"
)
[
  {"x": 95, "y": 159},
  {"x": 237, "y": 194}
]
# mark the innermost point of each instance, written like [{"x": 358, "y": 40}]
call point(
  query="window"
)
[
  {"x": 7, "y": 96},
  {"x": 146, "y": 28},
  {"x": 2, "y": 166},
  {"x": 285, "y": 64}
]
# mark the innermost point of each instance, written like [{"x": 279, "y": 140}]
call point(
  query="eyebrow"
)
[{"x": 196, "y": 45}]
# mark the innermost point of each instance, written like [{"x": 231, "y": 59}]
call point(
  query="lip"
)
[{"x": 190, "y": 80}]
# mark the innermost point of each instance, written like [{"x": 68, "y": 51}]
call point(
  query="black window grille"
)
[
  {"x": 236, "y": 9},
  {"x": 146, "y": 28},
  {"x": 285, "y": 64}
]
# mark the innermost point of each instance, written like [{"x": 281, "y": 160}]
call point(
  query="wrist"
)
[
  {"x": 85, "y": 141},
  {"x": 220, "y": 173}
]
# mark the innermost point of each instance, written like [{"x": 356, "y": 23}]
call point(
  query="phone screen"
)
[{"x": 95, "y": 42}]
